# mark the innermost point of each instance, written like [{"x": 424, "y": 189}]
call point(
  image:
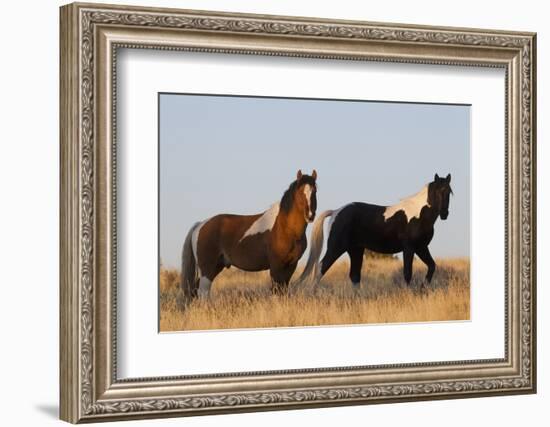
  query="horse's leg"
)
[
  {"x": 408, "y": 256},
  {"x": 280, "y": 278},
  {"x": 356, "y": 258},
  {"x": 195, "y": 289},
  {"x": 207, "y": 277},
  {"x": 290, "y": 271},
  {"x": 204, "y": 287},
  {"x": 278, "y": 286},
  {"x": 330, "y": 258},
  {"x": 424, "y": 254}
]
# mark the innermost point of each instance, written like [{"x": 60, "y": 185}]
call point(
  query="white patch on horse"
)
[
  {"x": 411, "y": 206},
  {"x": 194, "y": 243},
  {"x": 204, "y": 287},
  {"x": 263, "y": 223},
  {"x": 333, "y": 218},
  {"x": 307, "y": 193}
]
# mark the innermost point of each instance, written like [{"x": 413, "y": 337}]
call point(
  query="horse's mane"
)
[{"x": 287, "y": 199}]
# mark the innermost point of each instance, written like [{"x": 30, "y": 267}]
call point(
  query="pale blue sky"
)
[{"x": 226, "y": 154}]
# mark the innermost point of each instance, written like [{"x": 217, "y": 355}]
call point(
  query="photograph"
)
[{"x": 296, "y": 212}]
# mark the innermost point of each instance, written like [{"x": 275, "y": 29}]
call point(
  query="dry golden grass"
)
[{"x": 244, "y": 300}]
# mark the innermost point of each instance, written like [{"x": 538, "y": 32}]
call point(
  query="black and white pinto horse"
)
[{"x": 406, "y": 227}]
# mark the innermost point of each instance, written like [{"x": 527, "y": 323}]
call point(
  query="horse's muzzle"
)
[
  {"x": 310, "y": 217},
  {"x": 444, "y": 215}
]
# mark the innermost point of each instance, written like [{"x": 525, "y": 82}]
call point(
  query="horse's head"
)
[
  {"x": 439, "y": 191},
  {"x": 305, "y": 194}
]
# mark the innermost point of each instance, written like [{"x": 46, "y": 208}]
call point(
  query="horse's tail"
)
[
  {"x": 312, "y": 266},
  {"x": 189, "y": 270}
]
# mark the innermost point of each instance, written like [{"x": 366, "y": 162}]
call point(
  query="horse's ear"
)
[
  {"x": 314, "y": 174},
  {"x": 436, "y": 177},
  {"x": 299, "y": 175},
  {"x": 448, "y": 179}
]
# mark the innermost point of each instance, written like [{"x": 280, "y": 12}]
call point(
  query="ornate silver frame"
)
[{"x": 90, "y": 35}]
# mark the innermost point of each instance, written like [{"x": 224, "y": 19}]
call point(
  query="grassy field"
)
[{"x": 244, "y": 300}]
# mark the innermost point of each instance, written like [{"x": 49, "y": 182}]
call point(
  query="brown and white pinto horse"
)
[{"x": 273, "y": 240}]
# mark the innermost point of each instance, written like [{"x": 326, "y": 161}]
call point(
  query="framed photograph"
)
[{"x": 267, "y": 212}]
